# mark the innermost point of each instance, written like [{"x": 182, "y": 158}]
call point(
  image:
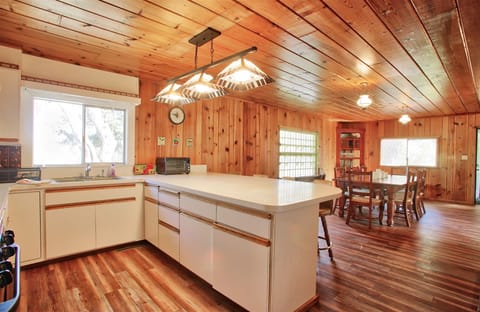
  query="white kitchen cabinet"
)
[
  {"x": 168, "y": 223},
  {"x": 196, "y": 245},
  {"x": 69, "y": 230},
  {"x": 196, "y": 233},
  {"x": 85, "y": 218},
  {"x": 241, "y": 253},
  {"x": 151, "y": 222},
  {"x": 241, "y": 269},
  {"x": 9, "y": 103},
  {"x": 118, "y": 222},
  {"x": 24, "y": 218}
]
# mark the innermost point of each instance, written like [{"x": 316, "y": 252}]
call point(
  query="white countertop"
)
[
  {"x": 270, "y": 195},
  {"x": 264, "y": 194}
]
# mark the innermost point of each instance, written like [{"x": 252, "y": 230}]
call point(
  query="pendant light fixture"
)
[
  {"x": 240, "y": 75},
  {"x": 404, "y": 119},
  {"x": 364, "y": 100},
  {"x": 171, "y": 95}
]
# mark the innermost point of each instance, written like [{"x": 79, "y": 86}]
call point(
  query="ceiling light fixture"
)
[
  {"x": 240, "y": 75},
  {"x": 404, "y": 119},
  {"x": 364, "y": 100}
]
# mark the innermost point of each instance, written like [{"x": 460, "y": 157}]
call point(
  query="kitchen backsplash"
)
[{"x": 10, "y": 156}]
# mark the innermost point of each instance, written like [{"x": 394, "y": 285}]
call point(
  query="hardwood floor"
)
[{"x": 432, "y": 266}]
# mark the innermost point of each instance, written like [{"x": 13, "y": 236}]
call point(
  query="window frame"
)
[
  {"x": 28, "y": 95},
  {"x": 299, "y": 154},
  {"x": 407, "y": 152}
]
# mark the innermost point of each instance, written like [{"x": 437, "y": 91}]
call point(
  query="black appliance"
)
[
  {"x": 9, "y": 273},
  {"x": 11, "y": 175},
  {"x": 173, "y": 165}
]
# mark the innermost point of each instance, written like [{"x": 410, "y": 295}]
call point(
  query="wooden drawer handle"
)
[{"x": 250, "y": 237}]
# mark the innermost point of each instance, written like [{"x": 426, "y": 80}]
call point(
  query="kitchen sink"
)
[{"x": 84, "y": 178}]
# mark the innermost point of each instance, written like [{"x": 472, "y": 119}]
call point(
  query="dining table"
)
[{"x": 387, "y": 186}]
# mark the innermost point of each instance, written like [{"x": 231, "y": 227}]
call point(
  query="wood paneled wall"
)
[
  {"x": 235, "y": 136},
  {"x": 454, "y": 178},
  {"x": 227, "y": 134}
]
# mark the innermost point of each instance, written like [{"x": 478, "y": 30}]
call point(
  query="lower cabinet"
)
[
  {"x": 151, "y": 222},
  {"x": 69, "y": 230},
  {"x": 241, "y": 269},
  {"x": 196, "y": 245},
  {"x": 117, "y": 223},
  {"x": 24, "y": 218},
  {"x": 87, "y": 218},
  {"x": 169, "y": 231}
]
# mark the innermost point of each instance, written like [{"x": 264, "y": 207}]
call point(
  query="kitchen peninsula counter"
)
[
  {"x": 264, "y": 194},
  {"x": 258, "y": 236}
]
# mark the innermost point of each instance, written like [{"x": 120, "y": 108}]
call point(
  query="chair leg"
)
[{"x": 326, "y": 237}]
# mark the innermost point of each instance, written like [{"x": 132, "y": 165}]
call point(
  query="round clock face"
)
[{"x": 176, "y": 115}]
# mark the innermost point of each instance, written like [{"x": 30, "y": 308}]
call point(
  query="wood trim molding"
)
[
  {"x": 77, "y": 86},
  {"x": 256, "y": 213},
  {"x": 253, "y": 238},
  {"x": 87, "y": 203},
  {"x": 9, "y": 65},
  {"x": 88, "y": 187},
  {"x": 168, "y": 226},
  {"x": 160, "y": 203},
  {"x": 197, "y": 217},
  {"x": 308, "y": 304},
  {"x": 8, "y": 140}
]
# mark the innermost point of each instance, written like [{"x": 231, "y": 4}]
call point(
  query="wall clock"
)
[{"x": 176, "y": 115}]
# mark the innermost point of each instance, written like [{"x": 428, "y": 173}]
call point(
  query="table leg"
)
[{"x": 390, "y": 204}]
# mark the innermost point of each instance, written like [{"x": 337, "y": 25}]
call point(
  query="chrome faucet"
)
[{"x": 87, "y": 170}]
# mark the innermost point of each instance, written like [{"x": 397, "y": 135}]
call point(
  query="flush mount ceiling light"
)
[
  {"x": 404, "y": 119},
  {"x": 240, "y": 75},
  {"x": 364, "y": 100}
]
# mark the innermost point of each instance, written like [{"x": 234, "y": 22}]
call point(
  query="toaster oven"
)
[{"x": 173, "y": 165}]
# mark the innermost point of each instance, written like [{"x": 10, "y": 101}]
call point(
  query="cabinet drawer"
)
[
  {"x": 198, "y": 206},
  {"x": 168, "y": 197},
  {"x": 151, "y": 191},
  {"x": 258, "y": 225},
  {"x": 88, "y": 194},
  {"x": 169, "y": 216}
]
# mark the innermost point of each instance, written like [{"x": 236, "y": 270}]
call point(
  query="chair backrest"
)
[
  {"x": 410, "y": 188},
  {"x": 360, "y": 184},
  {"x": 421, "y": 175}
]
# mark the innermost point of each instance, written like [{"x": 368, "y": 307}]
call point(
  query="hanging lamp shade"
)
[
  {"x": 364, "y": 101},
  {"x": 242, "y": 75},
  {"x": 199, "y": 87},
  {"x": 172, "y": 95},
  {"x": 404, "y": 119}
]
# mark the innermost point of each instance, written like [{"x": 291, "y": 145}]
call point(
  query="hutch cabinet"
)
[{"x": 350, "y": 147}]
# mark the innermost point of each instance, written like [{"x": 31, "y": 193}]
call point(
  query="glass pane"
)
[
  {"x": 57, "y": 133},
  {"x": 104, "y": 135},
  {"x": 422, "y": 152},
  {"x": 393, "y": 152}
]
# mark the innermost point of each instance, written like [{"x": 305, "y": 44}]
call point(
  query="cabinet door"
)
[
  {"x": 196, "y": 237},
  {"x": 69, "y": 230},
  {"x": 151, "y": 222},
  {"x": 241, "y": 270},
  {"x": 117, "y": 223},
  {"x": 24, "y": 218}
]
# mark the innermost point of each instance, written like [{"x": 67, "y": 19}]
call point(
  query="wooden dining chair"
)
[
  {"x": 421, "y": 177},
  {"x": 361, "y": 194},
  {"x": 404, "y": 200},
  {"x": 341, "y": 202}
]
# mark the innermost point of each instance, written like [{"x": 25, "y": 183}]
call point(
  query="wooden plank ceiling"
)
[{"x": 421, "y": 53}]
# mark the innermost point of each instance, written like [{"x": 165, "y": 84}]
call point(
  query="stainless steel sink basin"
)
[{"x": 83, "y": 178}]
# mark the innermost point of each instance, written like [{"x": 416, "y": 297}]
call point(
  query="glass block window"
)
[{"x": 298, "y": 153}]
